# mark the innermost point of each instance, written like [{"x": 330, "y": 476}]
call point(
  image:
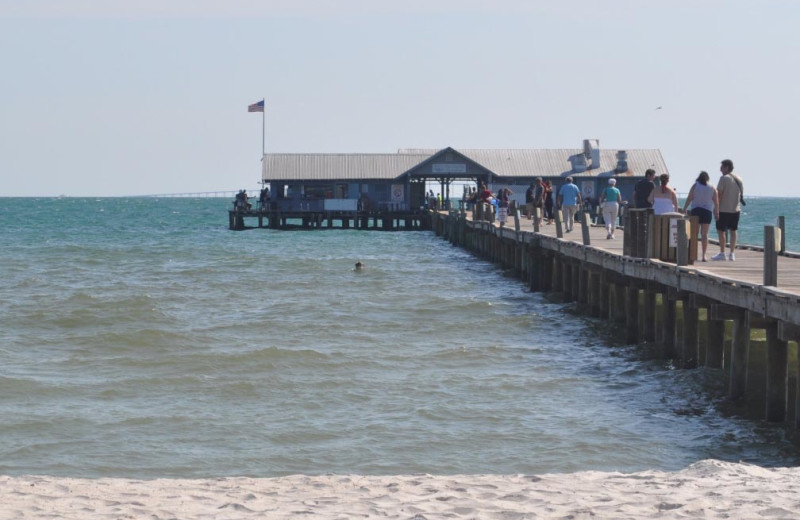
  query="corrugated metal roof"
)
[
  {"x": 287, "y": 166},
  {"x": 503, "y": 163},
  {"x": 554, "y": 162}
]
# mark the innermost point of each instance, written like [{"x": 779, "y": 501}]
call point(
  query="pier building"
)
[{"x": 388, "y": 191}]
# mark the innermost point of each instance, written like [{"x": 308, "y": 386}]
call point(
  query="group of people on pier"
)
[
  {"x": 542, "y": 200},
  {"x": 242, "y": 200},
  {"x": 722, "y": 203}
]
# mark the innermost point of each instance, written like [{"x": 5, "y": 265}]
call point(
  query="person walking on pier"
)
[
  {"x": 730, "y": 193},
  {"x": 610, "y": 201},
  {"x": 643, "y": 189},
  {"x": 549, "y": 202},
  {"x": 263, "y": 197},
  {"x": 569, "y": 198},
  {"x": 705, "y": 203}
]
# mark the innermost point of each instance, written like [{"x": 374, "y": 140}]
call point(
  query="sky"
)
[{"x": 115, "y": 98}]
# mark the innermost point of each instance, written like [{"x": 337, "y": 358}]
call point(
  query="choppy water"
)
[{"x": 141, "y": 338}]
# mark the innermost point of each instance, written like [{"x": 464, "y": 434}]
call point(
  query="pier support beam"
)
[
  {"x": 740, "y": 347},
  {"x": 740, "y": 351},
  {"x": 566, "y": 280},
  {"x": 575, "y": 282},
  {"x": 715, "y": 342},
  {"x": 649, "y": 315},
  {"x": 617, "y": 301},
  {"x": 669, "y": 333},
  {"x": 777, "y": 375},
  {"x": 583, "y": 285},
  {"x": 557, "y": 283},
  {"x": 594, "y": 293},
  {"x": 690, "y": 352},
  {"x": 631, "y": 314},
  {"x": 603, "y": 294}
]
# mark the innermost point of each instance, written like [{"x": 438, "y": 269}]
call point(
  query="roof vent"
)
[
  {"x": 622, "y": 162},
  {"x": 578, "y": 163},
  {"x": 591, "y": 149}
]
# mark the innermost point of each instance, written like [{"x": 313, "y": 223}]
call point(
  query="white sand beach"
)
[{"x": 707, "y": 489}]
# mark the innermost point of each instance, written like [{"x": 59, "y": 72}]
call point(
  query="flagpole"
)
[
  {"x": 263, "y": 138},
  {"x": 263, "y": 129}
]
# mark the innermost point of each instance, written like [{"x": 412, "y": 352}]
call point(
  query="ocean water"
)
[{"x": 142, "y": 338}]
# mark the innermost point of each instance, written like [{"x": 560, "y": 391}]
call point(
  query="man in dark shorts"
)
[
  {"x": 643, "y": 189},
  {"x": 729, "y": 191},
  {"x": 529, "y": 201}
]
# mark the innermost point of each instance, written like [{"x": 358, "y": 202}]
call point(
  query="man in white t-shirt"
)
[{"x": 729, "y": 190}]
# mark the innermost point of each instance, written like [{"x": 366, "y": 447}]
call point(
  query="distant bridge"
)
[{"x": 196, "y": 194}]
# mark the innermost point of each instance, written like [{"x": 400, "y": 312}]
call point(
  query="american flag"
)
[{"x": 256, "y": 107}]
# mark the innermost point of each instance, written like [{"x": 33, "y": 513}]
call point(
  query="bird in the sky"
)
[{"x": 658, "y": 108}]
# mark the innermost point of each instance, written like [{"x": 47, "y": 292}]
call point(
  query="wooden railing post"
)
[
  {"x": 587, "y": 240},
  {"x": 682, "y": 256},
  {"x": 771, "y": 248},
  {"x": 559, "y": 227},
  {"x": 782, "y": 226}
]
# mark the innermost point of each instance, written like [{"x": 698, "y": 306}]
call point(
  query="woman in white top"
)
[
  {"x": 663, "y": 198},
  {"x": 705, "y": 203}
]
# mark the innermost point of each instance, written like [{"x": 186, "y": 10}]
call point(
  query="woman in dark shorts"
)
[{"x": 705, "y": 204}]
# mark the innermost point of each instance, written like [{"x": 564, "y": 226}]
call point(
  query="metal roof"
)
[
  {"x": 338, "y": 166},
  {"x": 555, "y": 162},
  {"x": 503, "y": 163}
]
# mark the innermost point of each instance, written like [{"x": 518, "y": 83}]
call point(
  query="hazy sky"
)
[{"x": 102, "y": 97}]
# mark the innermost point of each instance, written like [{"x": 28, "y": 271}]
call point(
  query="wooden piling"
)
[
  {"x": 772, "y": 245},
  {"x": 740, "y": 352},
  {"x": 649, "y": 314},
  {"x": 690, "y": 344},
  {"x": 669, "y": 324},
  {"x": 587, "y": 239},
  {"x": 631, "y": 313},
  {"x": 594, "y": 293},
  {"x": 559, "y": 226},
  {"x": 777, "y": 375}
]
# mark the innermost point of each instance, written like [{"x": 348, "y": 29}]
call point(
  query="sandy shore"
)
[{"x": 707, "y": 489}]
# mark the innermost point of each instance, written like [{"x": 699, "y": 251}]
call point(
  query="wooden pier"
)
[
  {"x": 742, "y": 317},
  {"x": 378, "y": 220}
]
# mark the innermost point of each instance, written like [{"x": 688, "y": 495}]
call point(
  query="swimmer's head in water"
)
[{"x": 359, "y": 265}]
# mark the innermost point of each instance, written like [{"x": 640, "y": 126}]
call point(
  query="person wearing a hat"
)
[{"x": 610, "y": 200}]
